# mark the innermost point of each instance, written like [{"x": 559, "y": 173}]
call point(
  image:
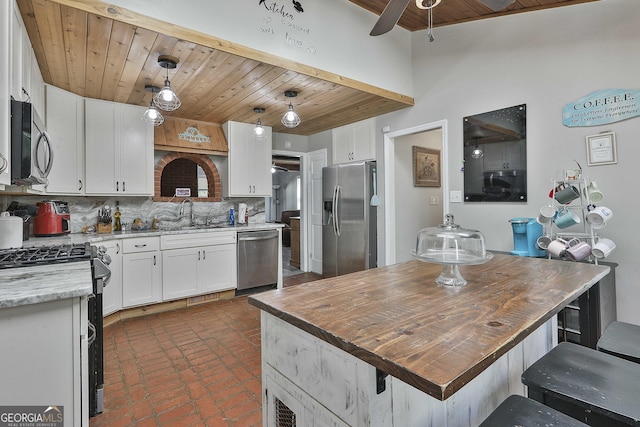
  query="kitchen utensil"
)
[
  {"x": 374, "y": 199},
  {"x": 11, "y": 229}
]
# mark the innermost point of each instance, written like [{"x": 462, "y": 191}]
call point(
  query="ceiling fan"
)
[{"x": 395, "y": 8}]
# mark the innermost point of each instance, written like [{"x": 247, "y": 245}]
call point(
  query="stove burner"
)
[{"x": 42, "y": 255}]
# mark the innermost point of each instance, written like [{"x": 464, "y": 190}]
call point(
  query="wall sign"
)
[{"x": 602, "y": 107}]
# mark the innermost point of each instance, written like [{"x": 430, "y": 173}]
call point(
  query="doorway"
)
[{"x": 409, "y": 208}]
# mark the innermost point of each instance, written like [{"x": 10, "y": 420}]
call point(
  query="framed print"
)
[
  {"x": 426, "y": 167},
  {"x": 601, "y": 149}
]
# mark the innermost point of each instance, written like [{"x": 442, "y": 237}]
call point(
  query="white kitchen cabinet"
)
[
  {"x": 46, "y": 345},
  {"x": 65, "y": 124},
  {"x": 15, "y": 61},
  {"x": 248, "y": 162},
  {"x": 504, "y": 155},
  {"x": 198, "y": 263},
  {"x": 5, "y": 109},
  {"x": 354, "y": 142},
  {"x": 112, "y": 293},
  {"x": 141, "y": 271},
  {"x": 118, "y": 149},
  {"x": 36, "y": 82}
]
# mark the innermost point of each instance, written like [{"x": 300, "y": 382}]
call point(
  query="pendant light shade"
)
[
  {"x": 166, "y": 99},
  {"x": 290, "y": 118},
  {"x": 259, "y": 132},
  {"x": 152, "y": 114},
  {"x": 477, "y": 152}
]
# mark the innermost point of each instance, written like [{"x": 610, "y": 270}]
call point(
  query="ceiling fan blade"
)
[
  {"x": 497, "y": 5},
  {"x": 389, "y": 17}
]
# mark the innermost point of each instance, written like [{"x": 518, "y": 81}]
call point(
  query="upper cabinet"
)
[
  {"x": 354, "y": 142},
  {"x": 118, "y": 150},
  {"x": 248, "y": 163},
  {"x": 65, "y": 124},
  {"x": 5, "y": 55}
]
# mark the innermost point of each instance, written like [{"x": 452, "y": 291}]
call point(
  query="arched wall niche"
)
[{"x": 209, "y": 168}]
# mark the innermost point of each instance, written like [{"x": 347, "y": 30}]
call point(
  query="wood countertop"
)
[{"x": 433, "y": 337}]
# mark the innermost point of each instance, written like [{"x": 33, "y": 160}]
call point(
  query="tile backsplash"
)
[{"x": 84, "y": 210}]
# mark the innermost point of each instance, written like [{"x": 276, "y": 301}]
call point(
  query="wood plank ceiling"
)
[{"x": 100, "y": 51}]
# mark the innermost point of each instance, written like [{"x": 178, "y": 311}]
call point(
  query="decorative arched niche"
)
[{"x": 209, "y": 168}]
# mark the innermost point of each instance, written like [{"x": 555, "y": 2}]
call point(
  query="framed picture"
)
[
  {"x": 426, "y": 167},
  {"x": 601, "y": 149}
]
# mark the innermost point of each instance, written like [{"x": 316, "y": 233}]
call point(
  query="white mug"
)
[
  {"x": 559, "y": 246},
  {"x": 546, "y": 215},
  {"x": 603, "y": 248},
  {"x": 598, "y": 216},
  {"x": 543, "y": 242},
  {"x": 592, "y": 193}
]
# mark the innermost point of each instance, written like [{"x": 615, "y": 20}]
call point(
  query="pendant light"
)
[
  {"x": 477, "y": 152},
  {"x": 259, "y": 132},
  {"x": 290, "y": 118},
  {"x": 152, "y": 114},
  {"x": 167, "y": 99}
]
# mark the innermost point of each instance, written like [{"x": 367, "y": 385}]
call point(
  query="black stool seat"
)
[
  {"x": 588, "y": 385},
  {"x": 622, "y": 340},
  {"x": 518, "y": 411}
]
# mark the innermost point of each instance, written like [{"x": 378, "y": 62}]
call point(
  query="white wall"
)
[
  {"x": 412, "y": 209},
  {"x": 327, "y": 35},
  {"x": 545, "y": 59}
]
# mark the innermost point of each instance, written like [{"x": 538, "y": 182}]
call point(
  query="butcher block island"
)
[{"x": 389, "y": 347}]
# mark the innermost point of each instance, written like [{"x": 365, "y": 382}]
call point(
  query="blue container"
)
[
  {"x": 525, "y": 234},
  {"x": 232, "y": 219}
]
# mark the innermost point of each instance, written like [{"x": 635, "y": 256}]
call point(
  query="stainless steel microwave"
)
[{"x": 31, "y": 150}]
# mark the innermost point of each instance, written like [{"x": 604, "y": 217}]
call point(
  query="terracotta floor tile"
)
[{"x": 190, "y": 367}]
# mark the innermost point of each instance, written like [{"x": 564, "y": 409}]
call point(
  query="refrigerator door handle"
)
[{"x": 336, "y": 218}]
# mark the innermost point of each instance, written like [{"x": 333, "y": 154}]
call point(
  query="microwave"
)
[{"x": 31, "y": 149}]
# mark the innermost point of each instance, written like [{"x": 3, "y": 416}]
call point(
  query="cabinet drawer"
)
[
  {"x": 142, "y": 244},
  {"x": 193, "y": 240}
]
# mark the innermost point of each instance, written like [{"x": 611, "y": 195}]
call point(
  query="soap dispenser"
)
[{"x": 117, "y": 224}]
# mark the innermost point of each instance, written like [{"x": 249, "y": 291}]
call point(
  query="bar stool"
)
[
  {"x": 593, "y": 387},
  {"x": 520, "y": 411},
  {"x": 622, "y": 340}
]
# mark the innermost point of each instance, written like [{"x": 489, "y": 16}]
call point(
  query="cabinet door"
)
[
  {"x": 112, "y": 293},
  {"x": 248, "y": 163},
  {"x": 261, "y": 167},
  {"x": 100, "y": 148},
  {"x": 135, "y": 152},
  {"x": 342, "y": 144},
  {"x": 5, "y": 55},
  {"x": 141, "y": 278},
  {"x": 36, "y": 83},
  {"x": 364, "y": 140},
  {"x": 179, "y": 273},
  {"x": 217, "y": 268},
  {"x": 16, "y": 52},
  {"x": 65, "y": 124}
]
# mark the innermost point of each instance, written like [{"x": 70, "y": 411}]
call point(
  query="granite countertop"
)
[
  {"x": 99, "y": 237},
  {"x": 432, "y": 337},
  {"x": 33, "y": 285}
]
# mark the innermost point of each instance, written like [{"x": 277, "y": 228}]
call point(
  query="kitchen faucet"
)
[{"x": 191, "y": 206}]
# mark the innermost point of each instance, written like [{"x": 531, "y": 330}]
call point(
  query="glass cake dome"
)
[{"x": 451, "y": 245}]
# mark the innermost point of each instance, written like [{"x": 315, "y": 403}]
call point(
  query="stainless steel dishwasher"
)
[{"x": 257, "y": 260}]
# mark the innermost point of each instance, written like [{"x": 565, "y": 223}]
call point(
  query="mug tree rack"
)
[{"x": 580, "y": 206}]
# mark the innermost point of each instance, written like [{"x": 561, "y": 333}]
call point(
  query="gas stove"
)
[{"x": 42, "y": 255}]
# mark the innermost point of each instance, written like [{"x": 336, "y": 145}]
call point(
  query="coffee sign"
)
[{"x": 602, "y": 107}]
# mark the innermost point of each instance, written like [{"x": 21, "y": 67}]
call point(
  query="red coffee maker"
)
[{"x": 52, "y": 219}]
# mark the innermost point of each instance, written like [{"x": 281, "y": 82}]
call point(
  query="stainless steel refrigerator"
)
[{"x": 349, "y": 220}]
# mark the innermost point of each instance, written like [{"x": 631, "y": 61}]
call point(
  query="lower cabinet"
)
[
  {"x": 199, "y": 263},
  {"x": 141, "y": 271},
  {"x": 46, "y": 344}
]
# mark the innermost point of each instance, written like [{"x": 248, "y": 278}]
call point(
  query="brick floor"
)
[{"x": 189, "y": 367}]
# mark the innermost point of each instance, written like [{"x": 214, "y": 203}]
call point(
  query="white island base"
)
[{"x": 308, "y": 382}]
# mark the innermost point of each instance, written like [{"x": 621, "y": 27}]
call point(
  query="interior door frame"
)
[
  {"x": 304, "y": 219},
  {"x": 389, "y": 180}
]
